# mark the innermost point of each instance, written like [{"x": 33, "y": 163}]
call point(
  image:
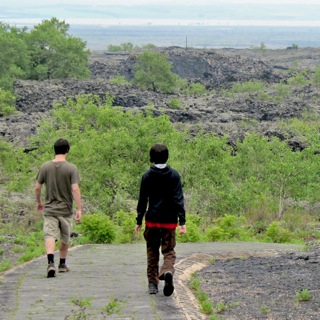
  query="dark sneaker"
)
[
  {"x": 153, "y": 288},
  {"x": 63, "y": 268},
  {"x": 168, "y": 284},
  {"x": 51, "y": 270}
]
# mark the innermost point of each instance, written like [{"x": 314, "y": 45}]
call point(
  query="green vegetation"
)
[
  {"x": 175, "y": 104},
  {"x": 129, "y": 47},
  {"x": 265, "y": 309},
  {"x": 195, "y": 89},
  {"x": 303, "y": 295},
  {"x": 5, "y": 264},
  {"x": 119, "y": 80},
  {"x": 153, "y": 71},
  {"x": 249, "y": 86},
  {"x": 207, "y": 306},
  {"x": 7, "y": 101},
  {"x": 316, "y": 75},
  {"x": 46, "y": 52},
  {"x": 253, "y": 195},
  {"x": 82, "y": 309}
]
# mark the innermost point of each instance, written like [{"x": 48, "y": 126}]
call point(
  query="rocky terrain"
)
[
  {"x": 277, "y": 287},
  {"x": 216, "y": 111}
]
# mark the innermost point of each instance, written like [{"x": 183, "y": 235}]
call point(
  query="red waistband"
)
[{"x": 161, "y": 225}]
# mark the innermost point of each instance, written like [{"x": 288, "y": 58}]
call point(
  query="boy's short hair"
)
[
  {"x": 61, "y": 146},
  {"x": 159, "y": 153}
]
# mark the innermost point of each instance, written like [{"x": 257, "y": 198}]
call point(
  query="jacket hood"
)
[{"x": 156, "y": 170}]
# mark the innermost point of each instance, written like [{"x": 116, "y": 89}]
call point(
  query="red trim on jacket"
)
[{"x": 161, "y": 225}]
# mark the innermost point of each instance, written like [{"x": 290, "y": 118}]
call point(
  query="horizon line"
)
[{"x": 169, "y": 22}]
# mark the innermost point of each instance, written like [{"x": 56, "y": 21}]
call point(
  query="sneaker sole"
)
[
  {"x": 51, "y": 273},
  {"x": 153, "y": 292},
  {"x": 168, "y": 286}
]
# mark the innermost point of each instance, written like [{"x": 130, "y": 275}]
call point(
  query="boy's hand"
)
[
  {"x": 183, "y": 229},
  {"x": 137, "y": 228},
  {"x": 40, "y": 207}
]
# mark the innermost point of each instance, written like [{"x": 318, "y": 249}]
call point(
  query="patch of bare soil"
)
[{"x": 265, "y": 287}]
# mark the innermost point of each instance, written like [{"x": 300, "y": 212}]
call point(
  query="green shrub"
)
[
  {"x": 5, "y": 264},
  {"x": 316, "y": 75},
  {"x": 7, "y": 100},
  {"x": 31, "y": 253},
  {"x": 229, "y": 227},
  {"x": 283, "y": 91},
  {"x": 195, "y": 89},
  {"x": 277, "y": 233},
  {"x": 249, "y": 86},
  {"x": 216, "y": 233},
  {"x": 303, "y": 295},
  {"x": 98, "y": 228},
  {"x": 119, "y": 80},
  {"x": 193, "y": 232},
  {"x": 263, "y": 47},
  {"x": 125, "y": 222},
  {"x": 175, "y": 104},
  {"x": 299, "y": 79}
]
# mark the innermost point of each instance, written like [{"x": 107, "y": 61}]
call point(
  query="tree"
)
[
  {"x": 7, "y": 100},
  {"x": 55, "y": 54},
  {"x": 14, "y": 59},
  {"x": 153, "y": 71}
]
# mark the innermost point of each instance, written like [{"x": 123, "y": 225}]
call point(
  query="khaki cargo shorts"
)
[{"x": 58, "y": 227}]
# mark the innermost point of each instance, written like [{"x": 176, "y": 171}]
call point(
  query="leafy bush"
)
[
  {"x": 175, "y": 104},
  {"x": 298, "y": 79},
  {"x": 119, "y": 80},
  {"x": 316, "y": 75},
  {"x": 14, "y": 167},
  {"x": 277, "y": 233},
  {"x": 153, "y": 71},
  {"x": 193, "y": 232},
  {"x": 125, "y": 222},
  {"x": 283, "y": 91},
  {"x": 249, "y": 86},
  {"x": 195, "y": 89},
  {"x": 7, "y": 100},
  {"x": 129, "y": 47},
  {"x": 229, "y": 227},
  {"x": 98, "y": 228}
]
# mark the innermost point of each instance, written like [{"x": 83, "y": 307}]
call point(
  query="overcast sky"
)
[
  {"x": 299, "y": 12},
  {"x": 155, "y": 2}
]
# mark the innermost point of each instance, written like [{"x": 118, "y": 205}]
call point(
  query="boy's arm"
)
[
  {"x": 77, "y": 198},
  {"x": 142, "y": 202},
  {"x": 38, "y": 196}
]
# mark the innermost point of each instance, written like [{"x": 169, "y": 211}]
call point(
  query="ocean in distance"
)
[
  {"x": 274, "y": 37},
  {"x": 101, "y": 33}
]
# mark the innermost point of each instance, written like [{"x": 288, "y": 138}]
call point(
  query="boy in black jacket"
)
[{"x": 161, "y": 201}]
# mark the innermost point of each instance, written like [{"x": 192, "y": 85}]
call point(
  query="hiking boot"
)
[
  {"x": 153, "y": 288},
  {"x": 63, "y": 267},
  {"x": 168, "y": 284},
  {"x": 51, "y": 270}
]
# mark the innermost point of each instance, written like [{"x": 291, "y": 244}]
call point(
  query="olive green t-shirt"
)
[{"x": 58, "y": 178}]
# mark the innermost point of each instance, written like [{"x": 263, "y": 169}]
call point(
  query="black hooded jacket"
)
[{"x": 161, "y": 197}]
